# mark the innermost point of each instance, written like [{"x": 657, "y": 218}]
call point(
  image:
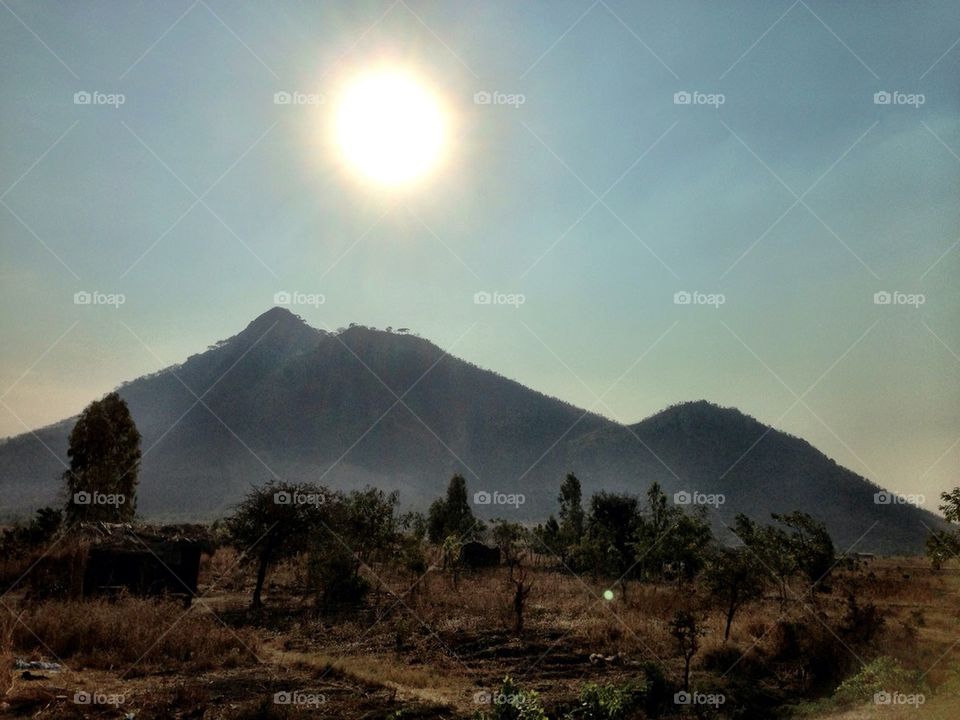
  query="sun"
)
[{"x": 390, "y": 128}]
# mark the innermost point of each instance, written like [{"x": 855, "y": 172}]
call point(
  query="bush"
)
[
  {"x": 334, "y": 573},
  {"x": 658, "y": 692},
  {"x": 511, "y": 702},
  {"x": 884, "y": 674},
  {"x": 608, "y": 702}
]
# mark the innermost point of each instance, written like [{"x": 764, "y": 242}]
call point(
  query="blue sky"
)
[{"x": 598, "y": 199}]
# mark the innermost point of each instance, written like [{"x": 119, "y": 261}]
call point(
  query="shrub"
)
[
  {"x": 884, "y": 674},
  {"x": 511, "y": 702},
  {"x": 608, "y": 702}
]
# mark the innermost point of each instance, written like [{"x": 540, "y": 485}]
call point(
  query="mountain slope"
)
[
  {"x": 363, "y": 406},
  {"x": 698, "y": 446}
]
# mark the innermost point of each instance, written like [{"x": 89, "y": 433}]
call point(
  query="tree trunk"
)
[
  {"x": 730, "y": 612},
  {"x": 257, "y": 603}
]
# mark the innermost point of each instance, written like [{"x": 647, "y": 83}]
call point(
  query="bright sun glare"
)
[{"x": 390, "y": 128}]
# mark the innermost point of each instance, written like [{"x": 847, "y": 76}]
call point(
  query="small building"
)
[
  {"x": 115, "y": 558},
  {"x": 475, "y": 554}
]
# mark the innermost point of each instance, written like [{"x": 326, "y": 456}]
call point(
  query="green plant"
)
[
  {"x": 882, "y": 675},
  {"x": 608, "y": 702},
  {"x": 511, "y": 702}
]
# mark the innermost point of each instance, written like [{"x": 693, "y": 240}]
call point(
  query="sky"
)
[{"x": 779, "y": 201}]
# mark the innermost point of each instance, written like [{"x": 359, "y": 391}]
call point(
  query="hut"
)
[{"x": 115, "y": 558}]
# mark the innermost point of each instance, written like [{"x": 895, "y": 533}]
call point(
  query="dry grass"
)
[{"x": 128, "y": 633}]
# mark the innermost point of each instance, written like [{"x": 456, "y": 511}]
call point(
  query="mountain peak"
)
[
  {"x": 277, "y": 314},
  {"x": 697, "y": 409},
  {"x": 280, "y": 323}
]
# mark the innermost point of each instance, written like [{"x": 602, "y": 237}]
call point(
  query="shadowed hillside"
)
[{"x": 363, "y": 406}]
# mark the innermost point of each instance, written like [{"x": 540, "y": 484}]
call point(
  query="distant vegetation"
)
[{"x": 616, "y": 607}]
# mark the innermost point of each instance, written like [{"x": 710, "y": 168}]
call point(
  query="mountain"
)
[{"x": 363, "y": 406}]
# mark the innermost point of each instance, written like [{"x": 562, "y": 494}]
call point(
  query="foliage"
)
[
  {"x": 571, "y": 526},
  {"x": 104, "y": 452},
  {"x": 668, "y": 539},
  {"x": 451, "y": 515},
  {"x": 734, "y": 577},
  {"x": 275, "y": 521},
  {"x": 942, "y": 545},
  {"x": 510, "y": 538},
  {"x": 810, "y": 545},
  {"x": 511, "y": 702},
  {"x": 883, "y": 674},
  {"x": 335, "y": 572},
  {"x": 41, "y": 528},
  {"x": 611, "y": 525},
  {"x": 548, "y": 536},
  {"x": 686, "y": 629},
  {"x": 608, "y": 702}
]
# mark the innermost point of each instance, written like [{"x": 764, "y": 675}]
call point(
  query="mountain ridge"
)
[{"x": 359, "y": 406}]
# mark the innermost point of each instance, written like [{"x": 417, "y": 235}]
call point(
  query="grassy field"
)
[{"x": 425, "y": 647}]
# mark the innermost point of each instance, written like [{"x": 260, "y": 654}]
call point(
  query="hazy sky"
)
[{"x": 598, "y": 197}]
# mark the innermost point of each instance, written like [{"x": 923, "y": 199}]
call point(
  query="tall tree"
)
[
  {"x": 571, "y": 513},
  {"x": 451, "y": 515},
  {"x": 104, "y": 468},
  {"x": 611, "y": 527},
  {"x": 734, "y": 577},
  {"x": 810, "y": 544}
]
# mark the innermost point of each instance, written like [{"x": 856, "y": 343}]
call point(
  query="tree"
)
[
  {"x": 666, "y": 536},
  {"x": 367, "y": 523},
  {"x": 571, "y": 515},
  {"x": 810, "y": 545},
  {"x": 39, "y": 531},
  {"x": 548, "y": 535},
  {"x": 734, "y": 577},
  {"x": 451, "y": 515},
  {"x": 611, "y": 528},
  {"x": 944, "y": 544},
  {"x": 510, "y": 538},
  {"x": 771, "y": 547},
  {"x": 104, "y": 468},
  {"x": 277, "y": 521},
  {"x": 685, "y": 627},
  {"x": 521, "y": 590}
]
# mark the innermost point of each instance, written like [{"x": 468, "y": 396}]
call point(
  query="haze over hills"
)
[{"x": 362, "y": 406}]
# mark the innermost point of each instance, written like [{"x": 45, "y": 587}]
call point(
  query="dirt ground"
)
[{"x": 428, "y": 652}]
